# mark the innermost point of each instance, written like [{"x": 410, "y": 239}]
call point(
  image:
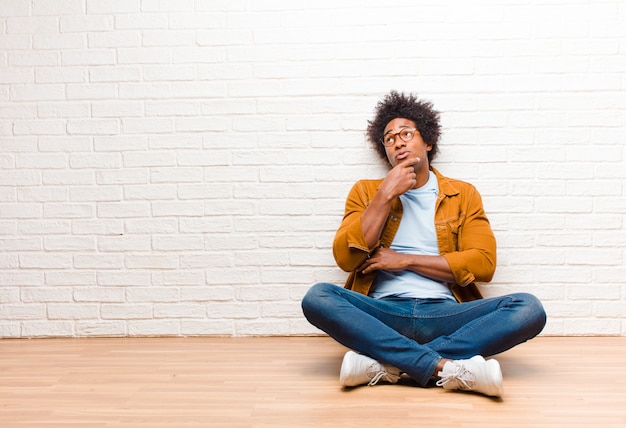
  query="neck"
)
[{"x": 423, "y": 174}]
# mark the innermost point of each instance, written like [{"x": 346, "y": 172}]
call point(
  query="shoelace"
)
[
  {"x": 380, "y": 374},
  {"x": 463, "y": 378}
]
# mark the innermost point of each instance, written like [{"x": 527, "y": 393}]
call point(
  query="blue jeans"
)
[{"x": 414, "y": 334}]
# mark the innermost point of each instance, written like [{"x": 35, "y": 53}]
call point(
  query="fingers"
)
[
  {"x": 402, "y": 177},
  {"x": 409, "y": 162},
  {"x": 364, "y": 267},
  {"x": 411, "y": 175}
]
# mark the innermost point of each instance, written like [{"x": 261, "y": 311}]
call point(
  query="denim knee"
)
[
  {"x": 313, "y": 299},
  {"x": 534, "y": 313}
]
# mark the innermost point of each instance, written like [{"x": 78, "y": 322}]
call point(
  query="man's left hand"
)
[{"x": 383, "y": 259}]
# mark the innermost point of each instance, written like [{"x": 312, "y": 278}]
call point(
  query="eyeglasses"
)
[{"x": 406, "y": 135}]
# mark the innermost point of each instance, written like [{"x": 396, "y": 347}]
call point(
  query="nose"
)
[{"x": 398, "y": 142}]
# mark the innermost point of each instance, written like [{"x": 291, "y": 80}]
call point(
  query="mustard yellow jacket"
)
[{"x": 463, "y": 232}]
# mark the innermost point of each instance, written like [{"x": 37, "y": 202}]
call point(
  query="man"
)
[{"x": 415, "y": 243}]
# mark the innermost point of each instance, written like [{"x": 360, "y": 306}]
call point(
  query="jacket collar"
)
[{"x": 446, "y": 187}]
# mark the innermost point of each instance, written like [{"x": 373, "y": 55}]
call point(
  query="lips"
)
[{"x": 402, "y": 155}]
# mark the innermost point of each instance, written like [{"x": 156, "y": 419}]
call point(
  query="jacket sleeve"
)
[
  {"x": 349, "y": 246},
  {"x": 475, "y": 257}
]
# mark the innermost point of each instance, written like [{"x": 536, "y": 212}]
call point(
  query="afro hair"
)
[{"x": 406, "y": 106}]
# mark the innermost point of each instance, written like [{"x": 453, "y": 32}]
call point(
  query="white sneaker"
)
[
  {"x": 358, "y": 369},
  {"x": 474, "y": 374}
]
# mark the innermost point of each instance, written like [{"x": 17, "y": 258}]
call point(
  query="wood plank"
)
[{"x": 292, "y": 382}]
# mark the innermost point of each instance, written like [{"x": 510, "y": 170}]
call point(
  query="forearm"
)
[
  {"x": 433, "y": 267},
  {"x": 374, "y": 217}
]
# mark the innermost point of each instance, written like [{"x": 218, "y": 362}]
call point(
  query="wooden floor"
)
[{"x": 293, "y": 382}]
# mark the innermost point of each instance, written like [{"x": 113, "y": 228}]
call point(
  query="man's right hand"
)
[{"x": 400, "y": 178}]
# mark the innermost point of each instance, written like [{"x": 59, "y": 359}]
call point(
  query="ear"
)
[{"x": 429, "y": 147}]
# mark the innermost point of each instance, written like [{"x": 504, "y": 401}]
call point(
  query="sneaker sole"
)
[
  {"x": 496, "y": 378},
  {"x": 344, "y": 379}
]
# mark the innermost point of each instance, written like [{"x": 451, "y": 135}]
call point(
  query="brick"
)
[
  {"x": 141, "y": 90},
  {"x": 59, "y": 41},
  {"x": 10, "y": 330},
  {"x": 281, "y": 311},
  {"x": 117, "y": 39},
  {"x": 9, "y": 261},
  {"x": 54, "y": 7},
  {"x": 171, "y": 6},
  {"x": 152, "y": 295},
  {"x": 67, "y": 177},
  {"x": 261, "y": 327},
  {"x": 97, "y": 227},
  {"x": 32, "y": 25},
  {"x": 125, "y": 311},
  {"x": 69, "y": 243},
  {"x": 86, "y": 23},
  {"x": 198, "y": 261},
  {"x": 205, "y": 225},
  {"x": 47, "y": 329},
  {"x": 170, "y": 38},
  {"x": 199, "y": 19},
  {"x": 47, "y": 92},
  {"x": 93, "y": 127},
  {"x": 45, "y": 261},
  {"x": 22, "y": 211},
  {"x": 233, "y": 310},
  {"x": 63, "y": 110},
  {"x": 60, "y": 75},
  {"x": 99, "y": 261},
  {"x": 591, "y": 327},
  {"x": 41, "y": 127},
  {"x": 113, "y": 7},
  {"x": 207, "y": 328},
  {"x": 178, "y": 243},
  {"x": 207, "y": 294},
  {"x": 154, "y": 328},
  {"x": 151, "y": 226},
  {"x": 76, "y": 311},
  {"x": 123, "y": 243},
  {"x": 99, "y": 295},
  {"x": 187, "y": 278},
  {"x": 115, "y": 74},
  {"x": 152, "y": 261},
  {"x": 241, "y": 276},
  {"x": 15, "y": 75},
  {"x": 144, "y": 20},
  {"x": 13, "y": 8},
  {"x": 123, "y": 209},
  {"x": 179, "y": 310},
  {"x": 95, "y": 328},
  {"x": 22, "y": 311},
  {"x": 9, "y": 295},
  {"x": 92, "y": 57},
  {"x": 153, "y": 55},
  {"x": 73, "y": 278},
  {"x": 147, "y": 126},
  {"x": 152, "y": 192},
  {"x": 199, "y": 55},
  {"x": 21, "y": 278},
  {"x": 169, "y": 73},
  {"x": 123, "y": 279}
]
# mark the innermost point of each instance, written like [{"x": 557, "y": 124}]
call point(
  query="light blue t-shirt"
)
[{"x": 416, "y": 235}]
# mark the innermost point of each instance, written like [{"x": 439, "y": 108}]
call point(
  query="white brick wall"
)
[{"x": 180, "y": 167}]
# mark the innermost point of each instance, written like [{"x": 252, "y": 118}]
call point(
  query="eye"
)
[
  {"x": 389, "y": 139},
  {"x": 407, "y": 134}
]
